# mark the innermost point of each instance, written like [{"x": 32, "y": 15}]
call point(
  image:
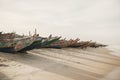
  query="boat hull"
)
[
  {"x": 8, "y": 49},
  {"x": 48, "y": 42},
  {"x": 34, "y": 45}
]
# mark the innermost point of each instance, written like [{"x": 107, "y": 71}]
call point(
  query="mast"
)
[
  {"x": 35, "y": 31},
  {"x": 29, "y": 33}
]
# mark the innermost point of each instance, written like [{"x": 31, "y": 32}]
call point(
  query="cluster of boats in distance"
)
[{"x": 12, "y": 42}]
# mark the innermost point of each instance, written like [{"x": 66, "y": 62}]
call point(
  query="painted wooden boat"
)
[
  {"x": 58, "y": 44},
  {"x": 49, "y": 41},
  {"x": 11, "y": 42},
  {"x": 36, "y": 43},
  {"x": 39, "y": 43}
]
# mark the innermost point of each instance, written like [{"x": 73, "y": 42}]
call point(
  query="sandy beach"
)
[
  {"x": 60, "y": 64},
  {"x": 96, "y": 21}
]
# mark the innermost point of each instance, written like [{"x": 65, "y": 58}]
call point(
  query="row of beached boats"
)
[{"x": 12, "y": 42}]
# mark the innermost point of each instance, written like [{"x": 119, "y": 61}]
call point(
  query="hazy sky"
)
[{"x": 87, "y": 19}]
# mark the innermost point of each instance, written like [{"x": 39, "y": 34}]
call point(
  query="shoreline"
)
[{"x": 61, "y": 64}]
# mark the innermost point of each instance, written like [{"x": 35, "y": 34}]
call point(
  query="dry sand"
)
[{"x": 60, "y": 64}]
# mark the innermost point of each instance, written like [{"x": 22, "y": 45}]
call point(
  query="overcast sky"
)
[{"x": 87, "y": 19}]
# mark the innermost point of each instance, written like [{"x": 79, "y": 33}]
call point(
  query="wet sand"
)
[{"x": 61, "y": 64}]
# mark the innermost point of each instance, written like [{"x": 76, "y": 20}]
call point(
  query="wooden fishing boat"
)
[
  {"x": 36, "y": 43},
  {"x": 59, "y": 44},
  {"x": 11, "y": 42},
  {"x": 85, "y": 44},
  {"x": 95, "y": 45},
  {"x": 73, "y": 42},
  {"x": 47, "y": 41},
  {"x": 63, "y": 43},
  {"x": 40, "y": 42}
]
